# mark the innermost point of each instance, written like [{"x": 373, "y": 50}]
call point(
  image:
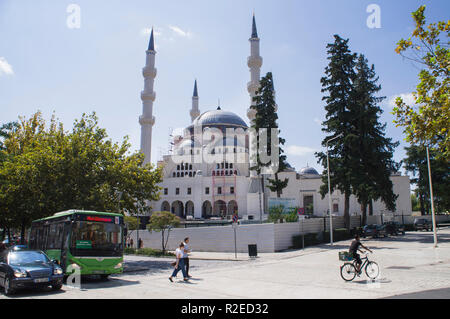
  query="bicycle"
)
[{"x": 349, "y": 272}]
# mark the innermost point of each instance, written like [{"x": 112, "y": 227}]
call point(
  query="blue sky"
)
[{"x": 47, "y": 66}]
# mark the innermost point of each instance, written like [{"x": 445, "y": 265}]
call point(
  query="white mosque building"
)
[{"x": 221, "y": 183}]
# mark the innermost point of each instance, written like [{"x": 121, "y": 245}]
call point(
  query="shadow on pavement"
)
[
  {"x": 88, "y": 283},
  {"x": 36, "y": 292},
  {"x": 443, "y": 293},
  {"x": 148, "y": 266}
]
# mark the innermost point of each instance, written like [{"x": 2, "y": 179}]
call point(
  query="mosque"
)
[{"x": 221, "y": 184}]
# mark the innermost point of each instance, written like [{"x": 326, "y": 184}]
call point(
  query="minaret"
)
[
  {"x": 254, "y": 62},
  {"x": 195, "y": 112},
  {"x": 148, "y": 97}
]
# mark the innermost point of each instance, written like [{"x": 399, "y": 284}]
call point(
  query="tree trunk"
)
[
  {"x": 261, "y": 206},
  {"x": 364, "y": 213},
  {"x": 278, "y": 191},
  {"x": 162, "y": 242},
  {"x": 346, "y": 210},
  {"x": 422, "y": 204},
  {"x": 370, "y": 208},
  {"x": 22, "y": 233}
]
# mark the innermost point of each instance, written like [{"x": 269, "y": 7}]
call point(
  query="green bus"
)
[{"x": 88, "y": 241}]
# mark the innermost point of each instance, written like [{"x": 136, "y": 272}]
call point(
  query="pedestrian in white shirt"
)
[
  {"x": 186, "y": 252},
  {"x": 179, "y": 264}
]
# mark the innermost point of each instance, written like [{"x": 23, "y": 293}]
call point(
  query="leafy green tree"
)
[
  {"x": 163, "y": 222},
  {"x": 415, "y": 203},
  {"x": 49, "y": 170},
  {"x": 416, "y": 163},
  {"x": 428, "y": 121}
]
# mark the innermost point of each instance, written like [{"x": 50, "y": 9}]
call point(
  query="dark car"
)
[
  {"x": 422, "y": 224},
  {"x": 374, "y": 231},
  {"x": 394, "y": 228},
  {"x": 28, "y": 269}
]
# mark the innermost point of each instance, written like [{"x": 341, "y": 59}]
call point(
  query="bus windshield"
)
[{"x": 96, "y": 239}]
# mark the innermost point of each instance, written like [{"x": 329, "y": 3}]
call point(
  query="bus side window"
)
[{"x": 45, "y": 237}]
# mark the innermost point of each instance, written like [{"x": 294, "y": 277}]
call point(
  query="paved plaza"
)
[{"x": 410, "y": 268}]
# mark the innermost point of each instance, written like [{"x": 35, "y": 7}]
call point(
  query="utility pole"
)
[
  {"x": 432, "y": 200},
  {"x": 329, "y": 190}
]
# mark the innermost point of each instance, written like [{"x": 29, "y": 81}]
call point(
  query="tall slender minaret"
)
[
  {"x": 195, "y": 112},
  {"x": 147, "y": 120},
  {"x": 254, "y": 62}
]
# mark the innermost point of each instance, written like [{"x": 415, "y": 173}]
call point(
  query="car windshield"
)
[
  {"x": 96, "y": 239},
  {"x": 21, "y": 258}
]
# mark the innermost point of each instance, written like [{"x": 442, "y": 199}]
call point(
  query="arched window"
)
[{"x": 178, "y": 174}]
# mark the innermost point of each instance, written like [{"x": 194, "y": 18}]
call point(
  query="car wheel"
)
[
  {"x": 7, "y": 287},
  {"x": 57, "y": 287}
]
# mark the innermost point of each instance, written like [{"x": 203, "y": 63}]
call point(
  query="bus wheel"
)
[{"x": 104, "y": 277}]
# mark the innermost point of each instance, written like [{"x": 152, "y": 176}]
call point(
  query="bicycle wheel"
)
[
  {"x": 372, "y": 270},
  {"x": 348, "y": 272}
]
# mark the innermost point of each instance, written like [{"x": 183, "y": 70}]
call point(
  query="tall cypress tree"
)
[
  {"x": 361, "y": 162},
  {"x": 266, "y": 117},
  {"x": 375, "y": 150},
  {"x": 338, "y": 84}
]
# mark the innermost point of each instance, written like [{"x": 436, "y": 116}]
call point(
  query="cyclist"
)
[{"x": 354, "y": 247}]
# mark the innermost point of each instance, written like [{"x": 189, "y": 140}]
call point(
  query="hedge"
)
[
  {"x": 147, "y": 252},
  {"x": 324, "y": 237}
]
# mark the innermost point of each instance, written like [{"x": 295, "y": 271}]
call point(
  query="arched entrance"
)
[
  {"x": 220, "y": 208},
  {"x": 206, "y": 209},
  {"x": 165, "y": 206},
  {"x": 232, "y": 207},
  {"x": 189, "y": 209},
  {"x": 177, "y": 208}
]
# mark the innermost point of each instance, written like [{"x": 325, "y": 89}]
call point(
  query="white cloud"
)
[
  {"x": 296, "y": 150},
  {"x": 317, "y": 121},
  {"x": 180, "y": 32},
  {"x": 5, "y": 67},
  {"x": 408, "y": 98}
]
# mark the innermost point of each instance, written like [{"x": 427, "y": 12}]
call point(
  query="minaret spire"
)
[
  {"x": 254, "y": 62},
  {"x": 147, "y": 120},
  {"x": 195, "y": 112},
  {"x": 254, "y": 31},
  {"x": 151, "y": 43}
]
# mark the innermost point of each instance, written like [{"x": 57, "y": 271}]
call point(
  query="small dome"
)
[
  {"x": 219, "y": 117},
  {"x": 308, "y": 171}
]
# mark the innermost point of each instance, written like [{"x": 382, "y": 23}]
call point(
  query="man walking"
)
[{"x": 186, "y": 250}]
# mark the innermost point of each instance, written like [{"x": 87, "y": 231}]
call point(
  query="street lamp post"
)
[
  {"x": 432, "y": 200},
  {"x": 329, "y": 190}
]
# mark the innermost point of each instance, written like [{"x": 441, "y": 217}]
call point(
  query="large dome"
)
[
  {"x": 308, "y": 171},
  {"x": 219, "y": 117}
]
